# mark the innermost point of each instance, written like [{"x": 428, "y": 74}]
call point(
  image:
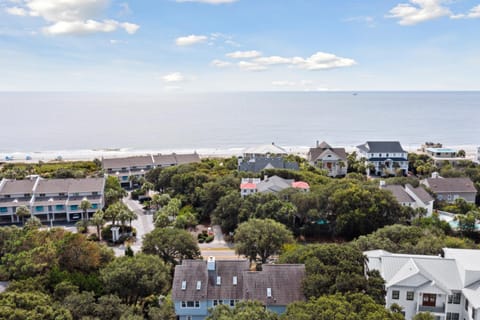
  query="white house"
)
[
  {"x": 386, "y": 157},
  {"x": 448, "y": 287},
  {"x": 334, "y": 160}
]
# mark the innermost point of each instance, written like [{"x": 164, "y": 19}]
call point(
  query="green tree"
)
[
  {"x": 98, "y": 220},
  {"x": 80, "y": 305},
  {"x": 424, "y": 316},
  {"x": 109, "y": 307},
  {"x": 171, "y": 245},
  {"x": 22, "y": 212},
  {"x": 85, "y": 205},
  {"x": 134, "y": 278},
  {"x": 261, "y": 238},
  {"x": 115, "y": 211}
]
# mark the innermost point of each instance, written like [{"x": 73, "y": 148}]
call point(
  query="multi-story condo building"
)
[
  {"x": 199, "y": 285},
  {"x": 386, "y": 157},
  {"x": 447, "y": 286},
  {"x": 50, "y": 200},
  {"x": 138, "y": 166}
]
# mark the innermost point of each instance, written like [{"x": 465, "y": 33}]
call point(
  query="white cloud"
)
[
  {"x": 88, "y": 27},
  {"x": 251, "y": 66},
  {"x": 273, "y": 60},
  {"x": 190, "y": 40},
  {"x": 418, "y": 11},
  {"x": 16, "y": 11},
  {"x": 369, "y": 21},
  {"x": 474, "y": 13},
  {"x": 322, "y": 61},
  {"x": 220, "y": 63},
  {"x": 72, "y": 16},
  {"x": 244, "y": 54},
  {"x": 173, "y": 77},
  {"x": 209, "y": 1}
]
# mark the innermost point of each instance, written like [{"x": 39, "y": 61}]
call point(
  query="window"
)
[
  {"x": 395, "y": 294},
  {"x": 269, "y": 292},
  {"x": 234, "y": 280},
  {"x": 410, "y": 295},
  {"x": 453, "y": 316},
  {"x": 59, "y": 207},
  {"x": 184, "y": 304},
  {"x": 39, "y": 208},
  {"x": 219, "y": 281},
  {"x": 220, "y": 301},
  {"x": 215, "y": 303},
  {"x": 26, "y": 195},
  {"x": 189, "y": 318},
  {"x": 74, "y": 207},
  {"x": 454, "y": 298},
  {"x": 232, "y": 303},
  {"x": 199, "y": 285},
  {"x": 94, "y": 206},
  {"x": 466, "y": 304},
  {"x": 3, "y": 209},
  {"x": 197, "y": 304},
  {"x": 184, "y": 285},
  {"x": 190, "y": 304}
]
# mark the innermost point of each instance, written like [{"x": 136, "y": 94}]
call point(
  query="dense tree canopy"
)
[{"x": 244, "y": 310}]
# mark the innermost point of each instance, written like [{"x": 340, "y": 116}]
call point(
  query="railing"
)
[{"x": 440, "y": 309}]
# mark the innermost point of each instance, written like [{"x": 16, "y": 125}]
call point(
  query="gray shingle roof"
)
[
  {"x": 187, "y": 158},
  {"x": 261, "y": 163},
  {"x": 70, "y": 185},
  {"x": 274, "y": 184},
  {"x": 285, "y": 282},
  {"x": 265, "y": 149},
  {"x": 315, "y": 153},
  {"x": 127, "y": 162},
  {"x": 399, "y": 193},
  {"x": 382, "y": 147},
  {"x": 421, "y": 193},
  {"x": 439, "y": 185},
  {"x": 17, "y": 187}
]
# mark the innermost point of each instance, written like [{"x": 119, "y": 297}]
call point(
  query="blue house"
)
[{"x": 199, "y": 285}]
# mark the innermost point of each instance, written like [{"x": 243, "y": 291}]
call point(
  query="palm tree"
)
[
  {"x": 85, "y": 205},
  {"x": 22, "y": 212},
  {"x": 98, "y": 221}
]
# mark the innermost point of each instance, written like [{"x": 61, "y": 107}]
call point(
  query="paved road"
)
[{"x": 143, "y": 224}]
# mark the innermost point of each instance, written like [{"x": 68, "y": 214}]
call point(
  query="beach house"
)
[
  {"x": 268, "y": 156},
  {"x": 199, "y": 285},
  {"x": 272, "y": 184},
  {"x": 447, "y": 286},
  {"x": 325, "y": 157},
  {"x": 450, "y": 189},
  {"x": 137, "y": 166},
  {"x": 410, "y": 196},
  {"x": 384, "y": 157},
  {"x": 50, "y": 200}
]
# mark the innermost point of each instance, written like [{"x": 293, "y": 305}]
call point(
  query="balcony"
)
[{"x": 440, "y": 309}]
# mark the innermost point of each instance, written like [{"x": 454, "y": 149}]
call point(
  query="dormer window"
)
[
  {"x": 219, "y": 280},
  {"x": 184, "y": 285},
  {"x": 235, "y": 280},
  {"x": 199, "y": 285}
]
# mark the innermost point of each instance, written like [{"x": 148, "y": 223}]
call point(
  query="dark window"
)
[
  {"x": 410, "y": 295},
  {"x": 395, "y": 294},
  {"x": 453, "y": 316},
  {"x": 197, "y": 304},
  {"x": 455, "y": 298},
  {"x": 473, "y": 313},
  {"x": 232, "y": 303},
  {"x": 466, "y": 304},
  {"x": 215, "y": 303},
  {"x": 190, "y": 304}
]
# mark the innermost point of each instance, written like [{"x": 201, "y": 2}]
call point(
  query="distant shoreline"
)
[{"x": 91, "y": 154}]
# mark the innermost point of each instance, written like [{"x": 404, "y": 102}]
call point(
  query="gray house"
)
[
  {"x": 334, "y": 160},
  {"x": 409, "y": 196},
  {"x": 258, "y": 164},
  {"x": 199, "y": 285},
  {"x": 450, "y": 189}
]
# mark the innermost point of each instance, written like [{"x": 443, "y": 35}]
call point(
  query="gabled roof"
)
[
  {"x": 420, "y": 192},
  {"x": 17, "y": 186},
  {"x": 127, "y": 162},
  {"x": 266, "y": 149},
  {"x": 324, "y": 145},
  {"x": 70, "y": 185},
  {"x": 190, "y": 271},
  {"x": 318, "y": 153},
  {"x": 382, "y": 147},
  {"x": 226, "y": 270},
  {"x": 440, "y": 185},
  {"x": 284, "y": 282},
  {"x": 274, "y": 184},
  {"x": 399, "y": 193},
  {"x": 261, "y": 163},
  {"x": 472, "y": 293}
]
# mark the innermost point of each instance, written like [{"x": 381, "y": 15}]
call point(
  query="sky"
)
[{"x": 239, "y": 45}]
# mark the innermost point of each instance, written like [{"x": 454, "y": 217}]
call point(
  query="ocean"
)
[{"x": 84, "y": 125}]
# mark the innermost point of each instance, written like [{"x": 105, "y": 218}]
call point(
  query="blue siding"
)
[
  {"x": 196, "y": 313},
  {"x": 277, "y": 309}
]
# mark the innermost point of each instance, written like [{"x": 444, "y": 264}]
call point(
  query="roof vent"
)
[
  {"x": 184, "y": 285},
  {"x": 211, "y": 264}
]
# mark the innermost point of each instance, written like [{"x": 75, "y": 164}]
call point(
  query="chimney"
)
[
  {"x": 211, "y": 264},
  {"x": 318, "y": 143}
]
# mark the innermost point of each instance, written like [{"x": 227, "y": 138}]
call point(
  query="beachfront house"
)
[
  {"x": 450, "y": 189},
  {"x": 272, "y": 184},
  {"x": 409, "y": 196},
  {"x": 50, "y": 200},
  {"x": 325, "y": 157},
  {"x": 127, "y": 168},
  {"x": 384, "y": 157},
  {"x": 440, "y": 155},
  {"x": 199, "y": 285},
  {"x": 448, "y": 286},
  {"x": 268, "y": 156}
]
